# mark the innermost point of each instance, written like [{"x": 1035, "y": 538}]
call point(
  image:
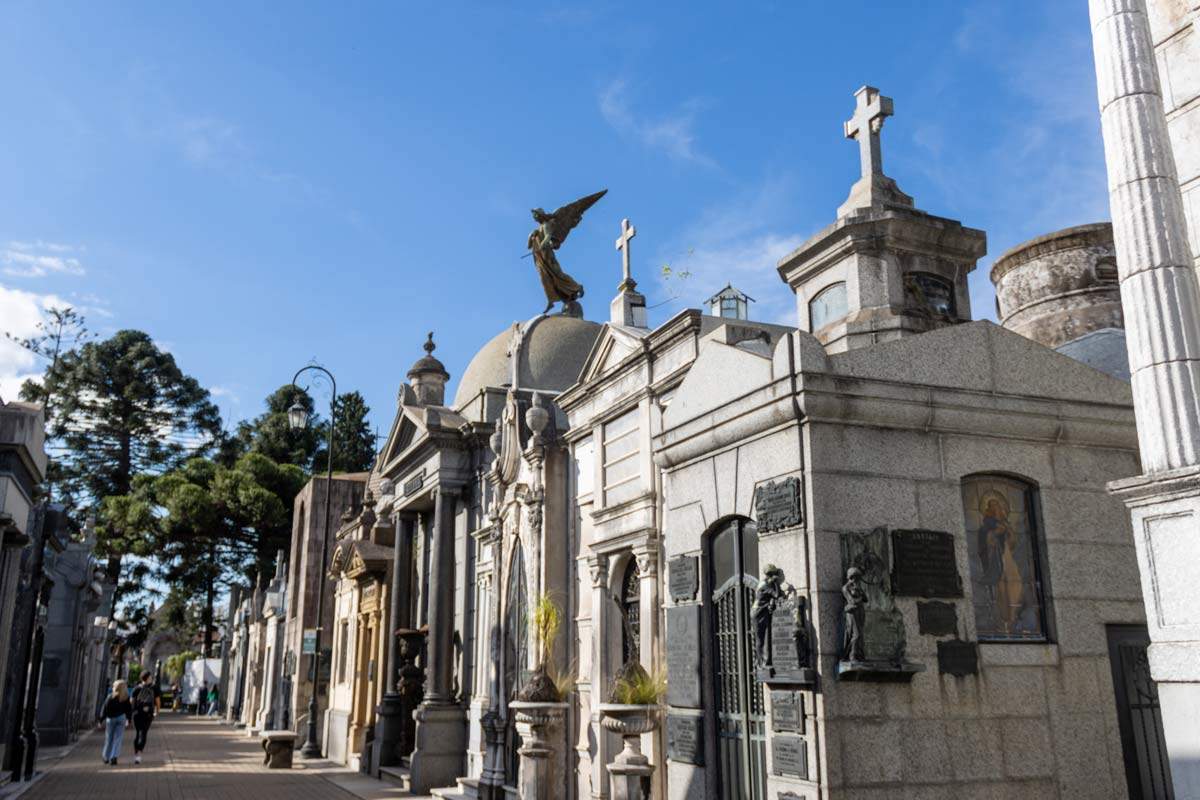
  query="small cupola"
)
[
  {"x": 428, "y": 377},
  {"x": 730, "y": 303}
]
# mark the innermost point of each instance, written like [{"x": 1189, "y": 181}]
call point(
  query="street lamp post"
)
[{"x": 298, "y": 419}]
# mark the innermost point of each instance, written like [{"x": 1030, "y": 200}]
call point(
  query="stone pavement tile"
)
[{"x": 188, "y": 759}]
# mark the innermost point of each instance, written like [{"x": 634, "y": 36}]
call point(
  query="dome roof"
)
[{"x": 552, "y": 357}]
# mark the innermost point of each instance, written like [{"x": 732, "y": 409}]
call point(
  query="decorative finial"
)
[
  {"x": 429, "y": 345},
  {"x": 873, "y": 189}
]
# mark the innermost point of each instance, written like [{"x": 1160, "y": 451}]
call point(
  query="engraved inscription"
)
[
  {"x": 683, "y": 656},
  {"x": 787, "y": 712},
  {"x": 685, "y": 741},
  {"x": 789, "y": 756},
  {"x": 924, "y": 564},
  {"x": 778, "y": 505},
  {"x": 683, "y": 578}
]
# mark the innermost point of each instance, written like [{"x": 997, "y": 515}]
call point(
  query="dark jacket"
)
[{"x": 115, "y": 708}]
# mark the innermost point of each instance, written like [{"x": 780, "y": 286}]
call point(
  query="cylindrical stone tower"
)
[{"x": 1061, "y": 286}]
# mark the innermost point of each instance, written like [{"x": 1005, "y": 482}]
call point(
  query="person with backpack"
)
[
  {"x": 145, "y": 706},
  {"x": 117, "y": 711},
  {"x": 213, "y": 705}
]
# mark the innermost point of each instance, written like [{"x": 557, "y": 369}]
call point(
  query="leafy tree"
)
[
  {"x": 353, "y": 441},
  {"x": 220, "y": 523},
  {"x": 123, "y": 409},
  {"x": 175, "y": 664},
  {"x": 270, "y": 434}
]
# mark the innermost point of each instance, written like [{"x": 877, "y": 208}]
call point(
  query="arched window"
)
[
  {"x": 631, "y": 609},
  {"x": 827, "y": 307},
  {"x": 929, "y": 294},
  {"x": 1005, "y": 564}
]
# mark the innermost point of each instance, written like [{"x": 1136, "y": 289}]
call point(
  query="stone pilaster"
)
[
  {"x": 1161, "y": 300},
  {"x": 601, "y": 608}
]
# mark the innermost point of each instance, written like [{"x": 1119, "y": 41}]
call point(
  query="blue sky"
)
[{"x": 260, "y": 184}]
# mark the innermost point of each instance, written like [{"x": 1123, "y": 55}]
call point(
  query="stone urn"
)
[
  {"x": 543, "y": 763},
  {"x": 629, "y": 773}
]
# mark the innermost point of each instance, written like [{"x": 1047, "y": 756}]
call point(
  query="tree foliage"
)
[
  {"x": 123, "y": 408},
  {"x": 270, "y": 434},
  {"x": 353, "y": 441}
]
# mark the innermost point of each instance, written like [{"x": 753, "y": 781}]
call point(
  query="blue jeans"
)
[{"x": 114, "y": 732}]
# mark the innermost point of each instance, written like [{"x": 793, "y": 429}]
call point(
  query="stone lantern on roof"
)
[{"x": 428, "y": 377}]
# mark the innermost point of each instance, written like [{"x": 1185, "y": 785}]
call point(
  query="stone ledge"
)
[{"x": 1018, "y": 654}]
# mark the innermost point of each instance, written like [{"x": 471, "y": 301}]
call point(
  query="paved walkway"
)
[{"x": 188, "y": 758}]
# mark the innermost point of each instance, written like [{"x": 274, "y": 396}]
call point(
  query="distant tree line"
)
[{"x": 178, "y": 499}]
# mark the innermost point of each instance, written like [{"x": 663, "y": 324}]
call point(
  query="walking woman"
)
[
  {"x": 117, "y": 711},
  {"x": 145, "y": 706}
]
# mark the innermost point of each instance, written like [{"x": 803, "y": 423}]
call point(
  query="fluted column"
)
[
  {"x": 1161, "y": 301},
  {"x": 1159, "y": 291}
]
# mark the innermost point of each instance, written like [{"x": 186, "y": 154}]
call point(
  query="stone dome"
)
[{"x": 551, "y": 357}]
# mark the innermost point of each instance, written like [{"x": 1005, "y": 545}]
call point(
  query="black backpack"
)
[{"x": 143, "y": 699}]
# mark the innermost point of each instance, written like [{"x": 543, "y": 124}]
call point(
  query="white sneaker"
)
[{"x": 137, "y": 759}]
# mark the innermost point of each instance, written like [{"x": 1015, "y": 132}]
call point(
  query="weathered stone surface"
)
[{"x": 1027, "y": 748}]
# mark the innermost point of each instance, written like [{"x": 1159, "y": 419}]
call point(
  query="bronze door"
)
[
  {"x": 740, "y": 713},
  {"x": 1147, "y": 770}
]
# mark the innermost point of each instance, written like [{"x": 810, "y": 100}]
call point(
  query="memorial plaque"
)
[
  {"x": 924, "y": 564},
  {"x": 790, "y": 795},
  {"x": 778, "y": 505},
  {"x": 685, "y": 739},
  {"x": 787, "y": 712},
  {"x": 683, "y": 577},
  {"x": 789, "y": 756},
  {"x": 937, "y": 619},
  {"x": 789, "y": 638},
  {"x": 414, "y": 483},
  {"x": 958, "y": 658},
  {"x": 683, "y": 656}
]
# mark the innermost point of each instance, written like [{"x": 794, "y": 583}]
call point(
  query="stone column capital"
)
[
  {"x": 598, "y": 567},
  {"x": 647, "y": 559}
]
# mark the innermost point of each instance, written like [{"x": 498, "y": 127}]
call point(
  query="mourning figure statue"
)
[
  {"x": 800, "y": 629},
  {"x": 547, "y": 237},
  {"x": 766, "y": 597},
  {"x": 855, "y": 615}
]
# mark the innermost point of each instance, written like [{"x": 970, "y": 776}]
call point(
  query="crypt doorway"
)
[
  {"x": 516, "y": 671},
  {"x": 739, "y": 715},
  {"x": 1147, "y": 770}
]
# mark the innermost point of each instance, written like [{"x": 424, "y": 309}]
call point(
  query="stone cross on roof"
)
[
  {"x": 873, "y": 189},
  {"x": 870, "y": 111},
  {"x": 623, "y": 242}
]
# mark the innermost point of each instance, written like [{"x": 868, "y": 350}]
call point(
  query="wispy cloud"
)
[
  {"x": 225, "y": 392},
  {"x": 206, "y": 141},
  {"x": 20, "y": 313},
  {"x": 673, "y": 133},
  {"x": 740, "y": 242},
  {"x": 39, "y": 259}
]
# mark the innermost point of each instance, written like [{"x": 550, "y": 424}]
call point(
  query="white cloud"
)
[
  {"x": 21, "y": 312},
  {"x": 207, "y": 141},
  {"x": 736, "y": 243},
  {"x": 224, "y": 391},
  {"x": 39, "y": 259},
  {"x": 673, "y": 134}
]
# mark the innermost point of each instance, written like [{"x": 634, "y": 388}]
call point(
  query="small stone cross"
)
[
  {"x": 870, "y": 111},
  {"x": 627, "y": 234}
]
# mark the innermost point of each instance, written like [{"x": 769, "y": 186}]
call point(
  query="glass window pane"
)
[
  {"x": 930, "y": 294},
  {"x": 827, "y": 307},
  {"x": 1002, "y": 549},
  {"x": 749, "y": 549},
  {"x": 722, "y": 555}
]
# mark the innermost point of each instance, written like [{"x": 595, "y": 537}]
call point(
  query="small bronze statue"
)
[
  {"x": 547, "y": 237},
  {"x": 770, "y": 591},
  {"x": 855, "y": 616},
  {"x": 800, "y": 631}
]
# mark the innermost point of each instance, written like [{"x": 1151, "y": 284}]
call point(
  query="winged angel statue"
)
[{"x": 547, "y": 237}]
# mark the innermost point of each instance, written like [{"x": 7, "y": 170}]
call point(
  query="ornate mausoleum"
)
[{"x": 868, "y": 556}]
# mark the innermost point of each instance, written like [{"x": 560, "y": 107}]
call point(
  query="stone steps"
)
[
  {"x": 396, "y": 776},
  {"x": 467, "y": 789}
]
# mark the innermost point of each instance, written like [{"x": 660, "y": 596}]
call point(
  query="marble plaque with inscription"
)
[
  {"x": 685, "y": 739},
  {"x": 787, "y": 712},
  {"x": 683, "y": 578},
  {"x": 778, "y": 505},
  {"x": 924, "y": 564},
  {"x": 683, "y": 656},
  {"x": 789, "y": 756}
]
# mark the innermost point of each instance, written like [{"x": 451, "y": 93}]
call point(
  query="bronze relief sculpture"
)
[{"x": 547, "y": 237}]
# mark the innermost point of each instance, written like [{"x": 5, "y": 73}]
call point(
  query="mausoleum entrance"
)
[{"x": 740, "y": 716}]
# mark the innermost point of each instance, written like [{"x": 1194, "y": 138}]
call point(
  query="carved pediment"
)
[{"x": 614, "y": 345}]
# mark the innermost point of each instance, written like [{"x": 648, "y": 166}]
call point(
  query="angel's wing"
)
[{"x": 567, "y": 217}]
